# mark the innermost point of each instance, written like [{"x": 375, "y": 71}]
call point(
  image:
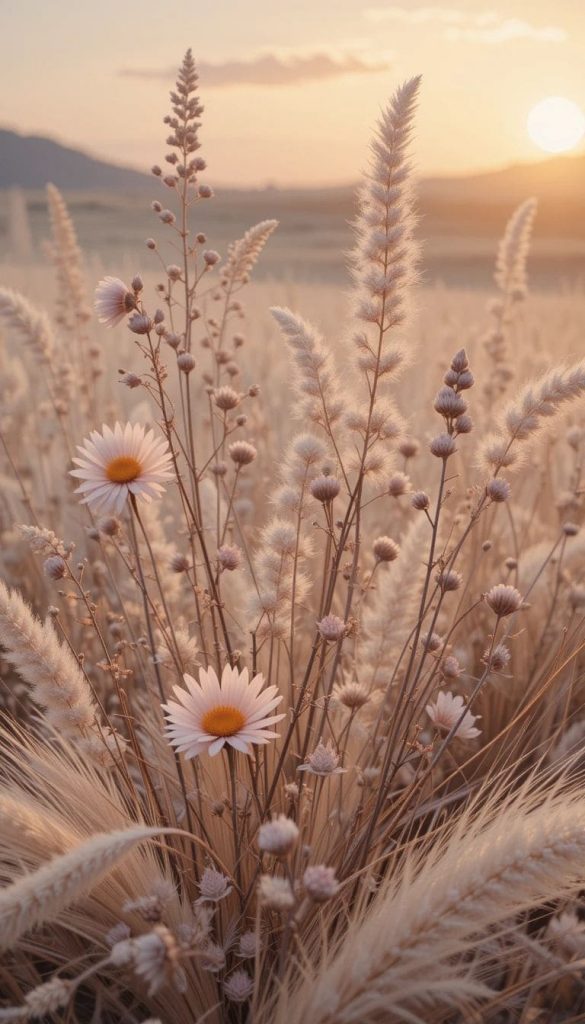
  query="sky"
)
[{"x": 291, "y": 88}]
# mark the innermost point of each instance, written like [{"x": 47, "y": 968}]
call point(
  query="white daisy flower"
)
[
  {"x": 213, "y": 713},
  {"x": 113, "y": 301},
  {"x": 447, "y": 710},
  {"x": 116, "y": 463}
]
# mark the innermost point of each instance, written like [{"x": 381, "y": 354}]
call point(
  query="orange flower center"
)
[
  {"x": 223, "y": 720},
  {"x": 123, "y": 469}
]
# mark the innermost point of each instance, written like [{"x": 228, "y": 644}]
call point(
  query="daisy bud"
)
[
  {"x": 226, "y": 398},
  {"x": 213, "y": 886},
  {"x": 498, "y": 489},
  {"x": 503, "y": 600},
  {"x": 409, "y": 447},
  {"x": 449, "y": 580},
  {"x": 219, "y": 469},
  {"x": 253, "y": 390},
  {"x": 211, "y": 257},
  {"x": 420, "y": 501},
  {"x": 156, "y": 170},
  {"x": 511, "y": 564},
  {"x": 158, "y": 316},
  {"x": 174, "y": 272},
  {"x": 170, "y": 180},
  {"x": 331, "y": 628},
  {"x": 323, "y": 761},
  {"x": 156, "y": 206},
  {"x": 325, "y": 488},
  {"x": 242, "y": 453},
  {"x": 131, "y": 380},
  {"x": 238, "y": 987},
  {"x": 385, "y": 549},
  {"x": 186, "y": 362},
  {"x": 320, "y": 883},
  {"x": 442, "y": 446},
  {"x": 276, "y": 893},
  {"x": 205, "y": 191},
  {"x": 465, "y": 380},
  {"x": 55, "y": 567},
  {"x": 174, "y": 340},
  {"x": 167, "y": 216},
  {"x": 229, "y": 557},
  {"x": 278, "y": 837},
  {"x": 179, "y": 563},
  {"x": 398, "y": 485},
  {"x": 140, "y": 323},
  {"x": 201, "y": 238},
  {"x": 150, "y": 243}
]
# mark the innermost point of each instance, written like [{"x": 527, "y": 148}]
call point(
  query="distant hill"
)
[{"x": 30, "y": 161}]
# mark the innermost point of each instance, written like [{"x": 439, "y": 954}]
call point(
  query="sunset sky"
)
[{"x": 290, "y": 87}]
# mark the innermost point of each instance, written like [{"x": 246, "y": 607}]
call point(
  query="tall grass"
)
[{"x": 374, "y": 542}]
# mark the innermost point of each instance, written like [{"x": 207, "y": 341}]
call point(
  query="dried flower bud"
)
[
  {"x": 498, "y": 489},
  {"x": 156, "y": 170},
  {"x": 137, "y": 283},
  {"x": 205, "y": 191},
  {"x": 398, "y": 485},
  {"x": 201, "y": 238},
  {"x": 570, "y": 529},
  {"x": 140, "y": 323},
  {"x": 174, "y": 272},
  {"x": 409, "y": 447},
  {"x": 167, "y": 216},
  {"x": 242, "y": 453},
  {"x": 131, "y": 380},
  {"x": 109, "y": 526},
  {"x": 150, "y": 243},
  {"x": 179, "y": 563},
  {"x": 320, "y": 883},
  {"x": 276, "y": 893},
  {"x": 385, "y": 549},
  {"x": 229, "y": 557},
  {"x": 463, "y": 424},
  {"x": 219, "y": 468},
  {"x": 55, "y": 567},
  {"x": 449, "y": 404},
  {"x": 503, "y": 600},
  {"x": 226, "y": 398},
  {"x": 442, "y": 446},
  {"x": 498, "y": 659},
  {"x": 420, "y": 501},
  {"x": 450, "y": 668},
  {"x": 238, "y": 987},
  {"x": 432, "y": 642},
  {"x": 325, "y": 488},
  {"x": 279, "y": 836},
  {"x": 211, "y": 257},
  {"x": 186, "y": 362},
  {"x": 449, "y": 580},
  {"x": 459, "y": 361},
  {"x": 332, "y": 628}
]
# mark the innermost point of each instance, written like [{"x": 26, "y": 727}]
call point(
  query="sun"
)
[{"x": 556, "y": 124}]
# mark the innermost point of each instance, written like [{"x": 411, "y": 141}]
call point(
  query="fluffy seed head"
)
[
  {"x": 498, "y": 489},
  {"x": 279, "y": 836},
  {"x": 242, "y": 453},
  {"x": 385, "y": 549},
  {"x": 442, "y": 446},
  {"x": 332, "y": 628},
  {"x": 325, "y": 488},
  {"x": 320, "y": 883}
]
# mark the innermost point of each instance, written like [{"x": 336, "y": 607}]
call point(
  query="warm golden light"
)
[{"x": 556, "y": 124}]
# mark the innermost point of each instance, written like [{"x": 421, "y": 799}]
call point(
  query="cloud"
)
[
  {"x": 271, "y": 69},
  {"x": 456, "y": 24}
]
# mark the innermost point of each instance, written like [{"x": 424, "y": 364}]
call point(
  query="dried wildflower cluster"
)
[{"x": 293, "y": 713}]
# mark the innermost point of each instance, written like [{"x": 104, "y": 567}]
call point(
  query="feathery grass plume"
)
[
  {"x": 410, "y": 955},
  {"x": 510, "y": 273},
  {"x": 244, "y": 253},
  {"x": 528, "y": 413},
  {"x": 391, "y": 612},
  {"x": 58, "y": 684},
  {"x": 317, "y": 381},
  {"x": 385, "y": 257},
  {"x": 33, "y": 325},
  {"x": 39, "y": 897},
  {"x": 73, "y": 305},
  {"x": 510, "y": 277}
]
